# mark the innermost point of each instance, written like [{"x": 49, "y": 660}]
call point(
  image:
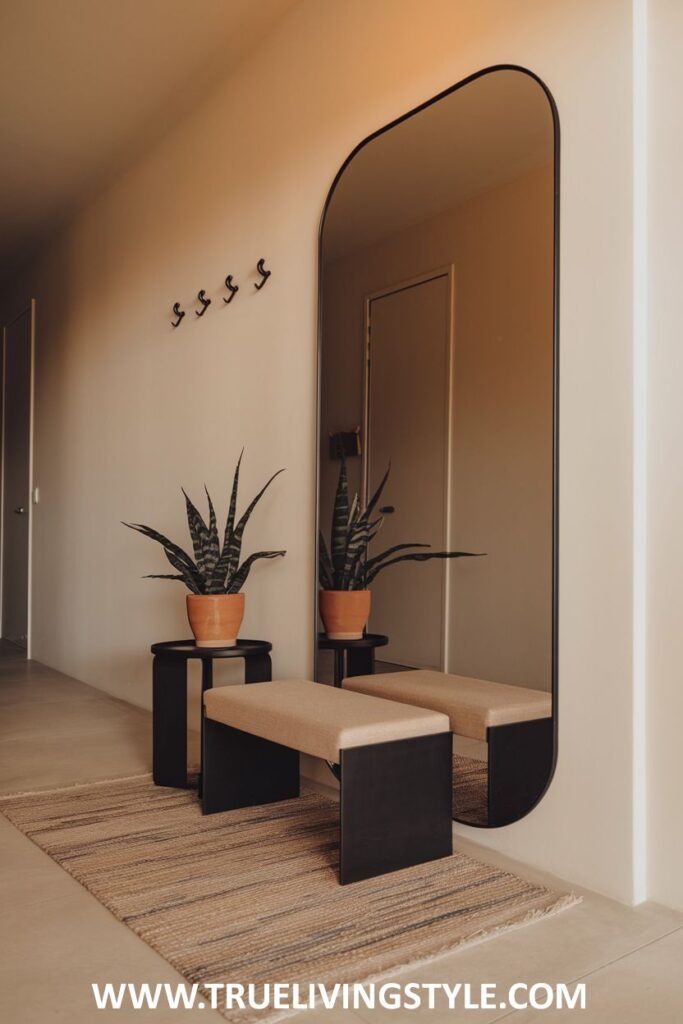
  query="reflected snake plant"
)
[
  {"x": 345, "y": 564},
  {"x": 214, "y": 569}
]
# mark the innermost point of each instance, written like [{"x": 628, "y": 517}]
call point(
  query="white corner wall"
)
[{"x": 127, "y": 409}]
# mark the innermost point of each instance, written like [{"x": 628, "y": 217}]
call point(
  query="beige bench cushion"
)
[
  {"x": 318, "y": 719},
  {"x": 472, "y": 705}
]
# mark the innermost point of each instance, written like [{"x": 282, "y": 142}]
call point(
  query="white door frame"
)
[
  {"x": 447, "y": 271},
  {"x": 31, "y": 310}
]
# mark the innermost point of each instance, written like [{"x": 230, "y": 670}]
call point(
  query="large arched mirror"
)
[{"x": 438, "y": 367}]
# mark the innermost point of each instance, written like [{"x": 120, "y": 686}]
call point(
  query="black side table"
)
[
  {"x": 360, "y": 654},
  {"x": 169, "y": 697}
]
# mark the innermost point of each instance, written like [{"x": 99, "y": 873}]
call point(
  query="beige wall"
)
[
  {"x": 500, "y": 244},
  {"x": 127, "y": 408},
  {"x": 665, "y": 428}
]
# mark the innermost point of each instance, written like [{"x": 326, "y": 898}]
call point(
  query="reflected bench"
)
[
  {"x": 515, "y": 721},
  {"x": 394, "y": 766}
]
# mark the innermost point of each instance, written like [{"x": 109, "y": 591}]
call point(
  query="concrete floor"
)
[{"x": 55, "y": 938}]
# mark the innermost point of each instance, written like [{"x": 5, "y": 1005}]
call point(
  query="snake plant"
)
[
  {"x": 215, "y": 569},
  {"x": 345, "y": 564}
]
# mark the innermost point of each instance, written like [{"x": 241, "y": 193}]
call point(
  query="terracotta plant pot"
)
[
  {"x": 215, "y": 619},
  {"x": 345, "y": 613}
]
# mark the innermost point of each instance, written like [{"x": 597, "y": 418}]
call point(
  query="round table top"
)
[
  {"x": 189, "y": 649},
  {"x": 369, "y": 640}
]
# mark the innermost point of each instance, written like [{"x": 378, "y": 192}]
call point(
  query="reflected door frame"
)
[
  {"x": 30, "y": 311},
  {"x": 448, "y": 272}
]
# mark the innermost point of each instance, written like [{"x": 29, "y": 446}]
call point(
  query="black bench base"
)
[
  {"x": 395, "y": 806},
  {"x": 241, "y": 770},
  {"x": 395, "y": 799},
  {"x": 520, "y": 760}
]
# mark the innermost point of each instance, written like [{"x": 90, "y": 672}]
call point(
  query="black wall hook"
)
[
  {"x": 232, "y": 288},
  {"x": 265, "y": 274},
  {"x": 177, "y": 311},
  {"x": 204, "y": 301}
]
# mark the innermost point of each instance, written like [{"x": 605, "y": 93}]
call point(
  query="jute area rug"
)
[
  {"x": 251, "y": 896},
  {"x": 470, "y": 790}
]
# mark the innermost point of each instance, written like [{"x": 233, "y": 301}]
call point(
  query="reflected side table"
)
[{"x": 352, "y": 657}]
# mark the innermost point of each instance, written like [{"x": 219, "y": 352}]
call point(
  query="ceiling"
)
[
  {"x": 85, "y": 84},
  {"x": 491, "y": 131}
]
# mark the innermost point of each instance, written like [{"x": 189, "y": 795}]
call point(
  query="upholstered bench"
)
[
  {"x": 394, "y": 766},
  {"x": 515, "y": 721}
]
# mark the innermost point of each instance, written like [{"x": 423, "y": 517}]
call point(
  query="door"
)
[
  {"x": 16, "y": 465},
  {"x": 408, "y": 387}
]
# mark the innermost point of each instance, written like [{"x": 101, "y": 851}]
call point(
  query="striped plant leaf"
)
[
  {"x": 325, "y": 562},
  {"x": 356, "y": 550},
  {"x": 370, "y": 507},
  {"x": 164, "y": 576},
  {"x": 199, "y": 531},
  {"x": 215, "y": 571},
  {"x": 355, "y": 512},
  {"x": 340, "y": 523},
  {"x": 238, "y": 580},
  {"x": 232, "y": 511},
  {"x": 416, "y": 557},
  {"x": 194, "y": 580},
  {"x": 220, "y": 571},
  {"x": 213, "y": 526},
  {"x": 234, "y": 549},
  {"x": 357, "y": 535},
  {"x": 212, "y": 548},
  {"x": 358, "y": 570},
  {"x": 185, "y": 562},
  {"x": 353, "y": 530},
  {"x": 376, "y": 559}
]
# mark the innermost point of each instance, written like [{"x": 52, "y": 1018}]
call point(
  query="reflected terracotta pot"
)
[
  {"x": 345, "y": 613},
  {"x": 215, "y": 619}
]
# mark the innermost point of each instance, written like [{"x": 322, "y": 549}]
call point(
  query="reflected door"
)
[
  {"x": 409, "y": 334},
  {"x": 16, "y": 480}
]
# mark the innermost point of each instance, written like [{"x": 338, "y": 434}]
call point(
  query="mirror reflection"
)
[{"x": 437, "y": 438}]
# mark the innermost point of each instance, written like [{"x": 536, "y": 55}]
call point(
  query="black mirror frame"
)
[{"x": 556, "y": 391}]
